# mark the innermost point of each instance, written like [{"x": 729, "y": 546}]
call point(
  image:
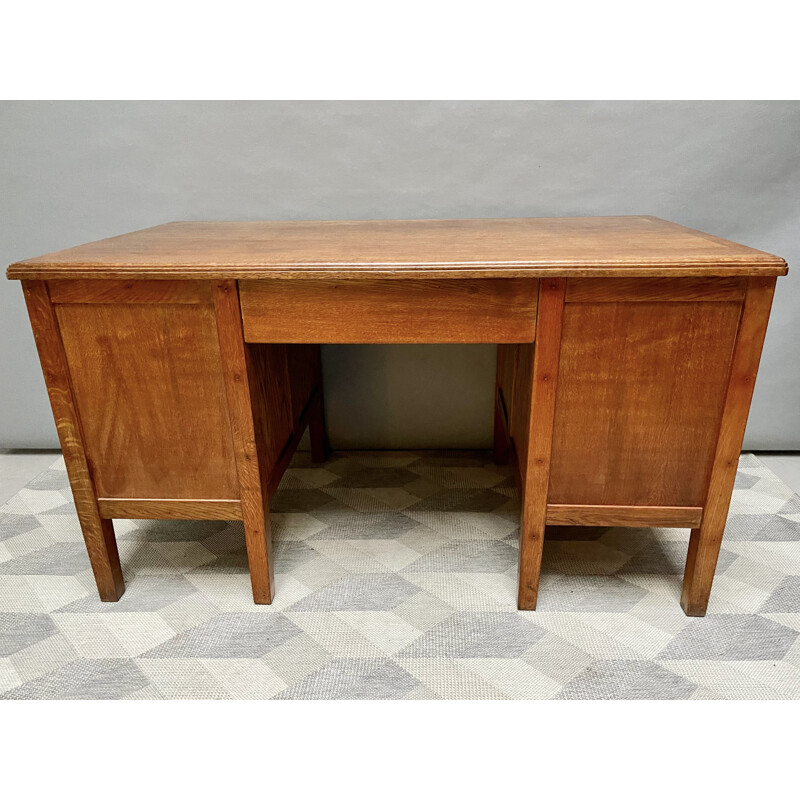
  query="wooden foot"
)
[
  {"x": 101, "y": 544},
  {"x": 701, "y": 561},
  {"x": 258, "y": 539}
]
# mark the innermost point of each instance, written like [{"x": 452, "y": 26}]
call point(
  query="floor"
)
[
  {"x": 17, "y": 467},
  {"x": 396, "y": 579},
  {"x": 785, "y": 465}
]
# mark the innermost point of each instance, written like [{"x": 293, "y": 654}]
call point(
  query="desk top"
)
[{"x": 464, "y": 248}]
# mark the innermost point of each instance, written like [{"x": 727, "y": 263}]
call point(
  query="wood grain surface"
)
[
  {"x": 98, "y": 533},
  {"x": 640, "y": 395},
  {"x": 394, "y": 312},
  {"x": 625, "y": 516},
  {"x": 705, "y": 541},
  {"x": 130, "y": 291},
  {"x": 165, "y": 508},
  {"x": 535, "y": 465},
  {"x": 665, "y": 290},
  {"x": 147, "y": 381},
  {"x": 479, "y": 248},
  {"x": 628, "y": 350},
  {"x": 242, "y": 395}
]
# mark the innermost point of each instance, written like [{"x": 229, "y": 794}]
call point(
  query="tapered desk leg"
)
[
  {"x": 97, "y": 532},
  {"x": 316, "y": 420},
  {"x": 252, "y": 480},
  {"x": 535, "y": 471},
  {"x": 705, "y": 541}
]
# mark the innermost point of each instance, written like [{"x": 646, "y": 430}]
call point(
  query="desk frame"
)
[
  {"x": 183, "y": 365},
  {"x": 255, "y": 320}
]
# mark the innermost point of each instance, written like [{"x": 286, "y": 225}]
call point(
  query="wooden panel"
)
[
  {"x": 285, "y": 456},
  {"x": 632, "y": 290},
  {"x": 243, "y": 393},
  {"x": 705, "y": 541},
  {"x": 640, "y": 396},
  {"x": 304, "y": 362},
  {"x": 384, "y": 311},
  {"x": 98, "y": 533},
  {"x": 287, "y": 396},
  {"x": 625, "y": 516},
  {"x": 122, "y": 508},
  {"x": 131, "y": 291},
  {"x": 148, "y": 387},
  {"x": 461, "y": 248},
  {"x": 304, "y": 365},
  {"x": 519, "y": 424},
  {"x": 535, "y": 475},
  {"x": 503, "y": 395},
  {"x": 506, "y": 370},
  {"x": 271, "y": 401}
]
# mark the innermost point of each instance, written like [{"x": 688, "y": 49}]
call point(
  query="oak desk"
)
[{"x": 182, "y": 364}]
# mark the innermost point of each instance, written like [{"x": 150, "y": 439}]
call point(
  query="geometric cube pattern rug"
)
[{"x": 396, "y": 579}]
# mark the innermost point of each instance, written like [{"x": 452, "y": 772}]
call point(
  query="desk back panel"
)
[
  {"x": 642, "y": 382},
  {"x": 147, "y": 384}
]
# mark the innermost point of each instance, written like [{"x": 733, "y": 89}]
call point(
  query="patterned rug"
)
[{"x": 396, "y": 578}]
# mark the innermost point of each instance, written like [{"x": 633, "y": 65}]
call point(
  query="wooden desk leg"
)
[
  {"x": 535, "y": 473},
  {"x": 705, "y": 541},
  {"x": 501, "y": 444},
  {"x": 316, "y": 420},
  {"x": 252, "y": 480},
  {"x": 98, "y": 533}
]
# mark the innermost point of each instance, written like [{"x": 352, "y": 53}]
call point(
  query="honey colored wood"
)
[
  {"x": 640, "y": 395},
  {"x": 285, "y": 456},
  {"x": 506, "y": 373},
  {"x": 521, "y": 401},
  {"x": 130, "y": 291},
  {"x": 241, "y": 393},
  {"x": 536, "y": 472},
  {"x": 705, "y": 541},
  {"x": 502, "y": 445},
  {"x": 286, "y": 382},
  {"x": 643, "y": 290},
  {"x": 272, "y": 407},
  {"x": 636, "y": 246},
  {"x": 98, "y": 533},
  {"x": 625, "y": 516},
  {"x": 304, "y": 362},
  {"x": 627, "y": 351},
  {"x": 148, "y": 386},
  {"x": 385, "y": 311},
  {"x": 504, "y": 401},
  {"x": 124, "y": 508}
]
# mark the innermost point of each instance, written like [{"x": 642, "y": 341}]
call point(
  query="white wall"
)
[{"x": 71, "y": 172}]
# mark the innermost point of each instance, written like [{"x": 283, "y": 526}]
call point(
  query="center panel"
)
[{"x": 373, "y": 311}]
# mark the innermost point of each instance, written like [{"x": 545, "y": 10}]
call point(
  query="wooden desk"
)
[{"x": 182, "y": 364}]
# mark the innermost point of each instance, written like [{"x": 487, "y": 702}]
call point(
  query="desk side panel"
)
[
  {"x": 148, "y": 387},
  {"x": 641, "y": 390}
]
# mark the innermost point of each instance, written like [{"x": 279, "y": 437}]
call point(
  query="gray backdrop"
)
[{"x": 77, "y": 171}]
